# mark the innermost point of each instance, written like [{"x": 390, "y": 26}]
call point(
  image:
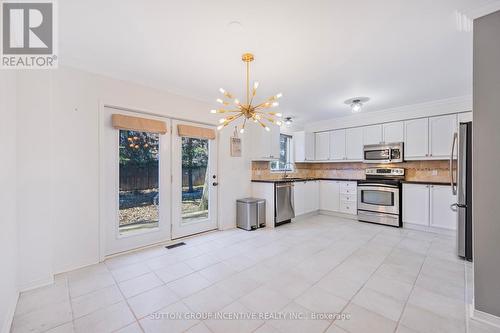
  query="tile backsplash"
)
[{"x": 432, "y": 171}]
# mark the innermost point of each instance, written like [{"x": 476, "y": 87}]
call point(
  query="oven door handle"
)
[{"x": 377, "y": 185}]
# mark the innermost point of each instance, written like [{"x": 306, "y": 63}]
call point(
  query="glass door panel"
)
[
  {"x": 194, "y": 183},
  {"x": 138, "y": 191},
  {"x": 195, "y": 179},
  {"x": 135, "y": 187}
]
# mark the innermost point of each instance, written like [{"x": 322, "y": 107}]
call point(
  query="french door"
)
[
  {"x": 194, "y": 182},
  {"x": 135, "y": 185}
]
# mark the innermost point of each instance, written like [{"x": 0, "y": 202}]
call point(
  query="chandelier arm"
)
[
  {"x": 233, "y": 119},
  {"x": 261, "y": 123}
]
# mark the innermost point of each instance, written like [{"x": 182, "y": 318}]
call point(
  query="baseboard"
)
[
  {"x": 304, "y": 216},
  {"x": 9, "y": 316},
  {"x": 337, "y": 214},
  {"x": 440, "y": 231},
  {"x": 485, "y": 318},
  {"x": 37, "y": 284}
]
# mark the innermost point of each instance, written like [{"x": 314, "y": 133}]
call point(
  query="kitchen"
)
[
  {"x": 264, "y": 167},
  {"x": 331, "y": 168}
]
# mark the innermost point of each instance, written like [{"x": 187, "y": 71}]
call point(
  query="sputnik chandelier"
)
[{"x": 257, "y": 113}]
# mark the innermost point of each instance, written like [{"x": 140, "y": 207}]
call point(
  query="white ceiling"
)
[{"x": 318, "y": 53}]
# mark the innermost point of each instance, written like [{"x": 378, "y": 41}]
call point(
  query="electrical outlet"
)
[{"x": 434, "y": 172}]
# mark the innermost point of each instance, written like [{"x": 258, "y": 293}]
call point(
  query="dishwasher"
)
[{"x": 283, "y": 200}]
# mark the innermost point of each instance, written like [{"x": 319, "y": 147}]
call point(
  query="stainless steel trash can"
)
[{"x": 250, "y": 213}]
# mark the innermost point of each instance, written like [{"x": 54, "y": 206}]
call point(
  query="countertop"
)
[
  {"x": 300, "y": 180},
  {"x": 274, "y": 181},
  {"x": 424, "y": 182}
]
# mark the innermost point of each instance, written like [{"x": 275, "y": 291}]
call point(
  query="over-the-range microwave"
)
[{"x": 383, "y": 153}]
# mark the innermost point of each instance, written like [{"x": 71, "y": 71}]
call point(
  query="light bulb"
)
[
  {"x": 278, "y": 123},
  {"x": 279, "y": 95},
  {"x": 236, "y": 101},
  {"x": 275, "y": 104},
  {"x": 242, "y": 130},
  {"x": 222, "y": 120},
  {"x": 267, "y": 128},
  {"x": 356, "y": 106},
  {"x": 213, "y": 111},
  {"x": 255, "y": 85},
  {"x": 220, "y": 101},
  {"x": 279, "y": 115},
  {"x": 288, "y": 122},
  {"x": 257, "y": 116},
  {"x": 220, "y": 127},
  {"x": 222, "y": 90}
]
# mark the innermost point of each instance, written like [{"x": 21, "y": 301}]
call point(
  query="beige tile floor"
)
[{"x": 375, "y": 278}]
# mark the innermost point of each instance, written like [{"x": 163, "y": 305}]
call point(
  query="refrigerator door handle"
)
[
  {"x": 454, "y": 207},
  {"x": 452, "y": 180}
]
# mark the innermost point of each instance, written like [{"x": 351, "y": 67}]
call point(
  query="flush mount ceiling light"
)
[
  {"x": 356, "y": 103},
  {"x": 288, "y": 121},
  {"x": 256, "y": 113}
]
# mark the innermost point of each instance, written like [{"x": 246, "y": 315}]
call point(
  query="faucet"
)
[{"x": 285, "y": 175}]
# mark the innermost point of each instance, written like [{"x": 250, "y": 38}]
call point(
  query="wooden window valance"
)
[
  {"x": 138, "y": 124},
  {"x": 196, "y": 132}
]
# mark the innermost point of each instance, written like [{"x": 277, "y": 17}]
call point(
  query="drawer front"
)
[
  {"x": 346, "y": 185},
  {"x": 349, "y": 191},
  {"x": 349, "y": 197},
  {"x": 348, "y": 207}
]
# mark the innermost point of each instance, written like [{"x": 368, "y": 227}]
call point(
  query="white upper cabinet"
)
[
  {"x": 303, "y": 143},
  {"x": 275, "y": 141},
  {"x": 393, "y": 132},
  {"x": 416, "y": 139},
  {"x": 424, "y": 139},
  {"x": 265, "y": 145},
  {"x": 322, "y": 142},
  {"x": 416, "y": 204},
  {"x": 337, "y": 145},
  {"x": 299, "y": 146},
  {"x": 441, "y": 215},
  {"x": 372, "y": 134},
  {"x": 464, "y": 117},
  {"x": 354, "y": 143},
  {"x": 441, "y": 130},
  {"x": 309, "y": 146}
]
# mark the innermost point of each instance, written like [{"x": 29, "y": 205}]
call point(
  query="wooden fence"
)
[{"x": 134, "y": 177}]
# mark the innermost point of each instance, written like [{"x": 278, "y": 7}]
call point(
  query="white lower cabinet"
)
[
  {"x": 306, "y": 197},
  {"x": 416, "y": 204},
  {"x": 441, "y": 215},
  {"x": 329, "y": 195},
  {"x": 312, "y": 196},
  {"x": 299, "y": 190},
  {"x": 338, "y": 196},
  {"x": 429, "y": 206}
]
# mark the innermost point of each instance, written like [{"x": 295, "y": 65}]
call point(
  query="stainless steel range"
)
[{"x": 379, "y": 196}]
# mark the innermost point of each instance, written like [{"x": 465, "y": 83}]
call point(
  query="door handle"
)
[
  {"x": 215, "y": 183},
  {"x": 452, "y": 181}
]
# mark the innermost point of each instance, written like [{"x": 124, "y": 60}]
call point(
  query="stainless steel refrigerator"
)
[{"x": 461, "y": 185}]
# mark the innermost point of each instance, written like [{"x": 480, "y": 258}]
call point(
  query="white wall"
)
[
  {"x": 34, "y": 178},
  {"x": 8, "y": 227},
  {"x": 235, "y": 174},
  {"x": 74, "y": 165},
  {"x": 450, "y": 105}
]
